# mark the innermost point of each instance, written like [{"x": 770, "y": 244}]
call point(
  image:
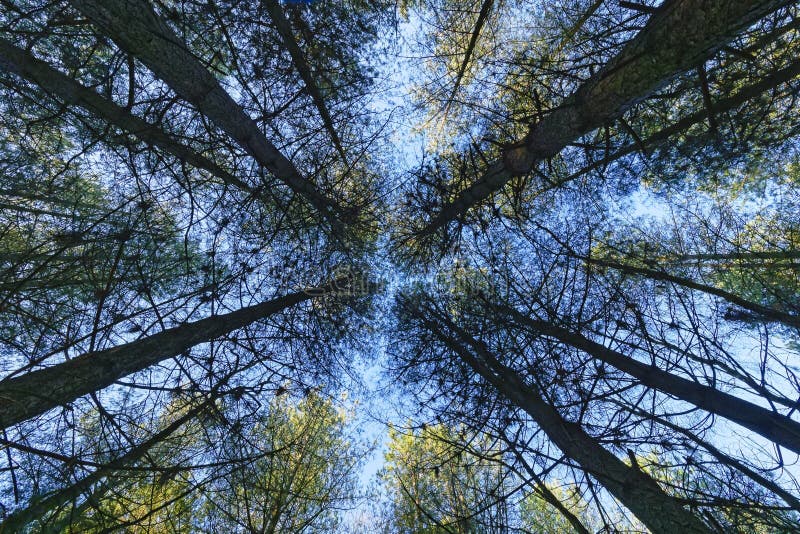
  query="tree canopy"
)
[{"x": 439, "y": 267}]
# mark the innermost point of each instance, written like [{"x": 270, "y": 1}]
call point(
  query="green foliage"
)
[
  {"x": 294, "y": 470},
  {"x": 438, "y": 482},
  {"x": 562, "y": 255},
  {"x": 298, "y": 472}
]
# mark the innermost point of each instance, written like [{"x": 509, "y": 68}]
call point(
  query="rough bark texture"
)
[
  {"x": 634, "y": 488},
  {"x": 773, "y": 426},
  {"x": 34, "y": 393},
  {"x": 134, "y": 25},
  {"x": 722, "y": 105},
  {"x": 679, "y": 37},
  {"x": 69, "y": 91}
]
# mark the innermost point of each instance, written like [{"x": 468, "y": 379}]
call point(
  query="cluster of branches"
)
[
  {"x": 642, "y": 354},
  {"x": 186, "y": 200},
  {"x": 184, "y": 182}
]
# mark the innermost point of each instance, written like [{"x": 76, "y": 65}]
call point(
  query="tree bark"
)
[
  {"x": 773, "y": 426},
  {"x": 135, "y": 26},
  {"x": 634, "y": 488},
  {"x": 680, "y": 36},
  {"x": 36, "y": 392}
]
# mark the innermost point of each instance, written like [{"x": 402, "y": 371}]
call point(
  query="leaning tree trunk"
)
[
  {"x": 34, "y": 393},
  {"x": 765, "y": 312},
  {"x": 723, "y": 105},
  {"x": 67, "y": 90},
  {"x": 773, "y": 426},
  {"x": 681, "y": 35},
  {"x": 135, "y": 26},
  {"x": 18, "y": 520},
  {"x": 634, "y": 488}
]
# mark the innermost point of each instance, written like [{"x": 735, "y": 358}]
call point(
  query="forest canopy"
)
[{"x": 484, "y": 266}]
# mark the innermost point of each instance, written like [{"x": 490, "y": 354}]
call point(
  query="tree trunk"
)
[
  {"x": 34, "y": 393},
  {"x": 20, "y": 518},
  {"x": 70, "y": 92},
  {"x": 680, "y": 36},
  {"x": 134, "y": 26},
  {"x": 765, "y": 312},
  {"x": 634, "y": 488},
  {"x": 773, "y": 426}
]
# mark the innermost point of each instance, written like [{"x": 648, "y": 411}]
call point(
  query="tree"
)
[
  {"x": 600, "y": 100},
  {"x": 133, "y": 27},
  {"x": 47, "y": 510},
  {"x": 297, "y": 471},
  {"x": 656, "y": 509},
  {"x": 440, "y": 481},
  {"x": 93, "y": 371},
  {"x": 616, "y": 87}
]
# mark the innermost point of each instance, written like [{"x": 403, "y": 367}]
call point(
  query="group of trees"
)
[{"x": 595, "y": 315}]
